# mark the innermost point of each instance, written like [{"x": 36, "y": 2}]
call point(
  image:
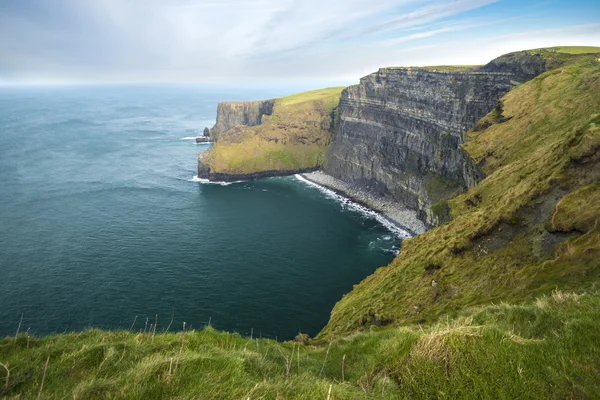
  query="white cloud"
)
[{"x": 212, "y": 40}]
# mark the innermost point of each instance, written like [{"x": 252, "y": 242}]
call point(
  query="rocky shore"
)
[
  {"x": 390, "y": 209},
  {"x": 223, "y": 177}
]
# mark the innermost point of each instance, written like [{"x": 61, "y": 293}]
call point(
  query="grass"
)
[
  {"x": 330, "y": 96},
  {"x": 545, "y": 349},
  {"x": 572, "y": 49},
  {"x": 294, "y": 137},
  {"x": 500, "y": 244},
  {"x": 450, "y": 68}
]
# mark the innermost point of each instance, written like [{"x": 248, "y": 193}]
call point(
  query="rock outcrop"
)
[
  {"x": 248, "y": 113},
  {"x": 277, "y": 137},
  {"x": 400, "y": 133},
  {"x": 526, "y": 65}
]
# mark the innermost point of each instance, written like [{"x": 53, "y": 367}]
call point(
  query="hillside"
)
[
  {"x": 516, "y": 234},
  {"x": 286, "y": 135},
  {"x": 546, "y": 349}
]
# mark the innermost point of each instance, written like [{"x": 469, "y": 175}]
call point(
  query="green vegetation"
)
[
  {"x": 294, "y": 137},
  {"x": 500, "y": 244},
  {"x": 330, "y": 96},
  {"x": 441, "y": 210},
  {"x": 546, "y": 349},
  {"x": 450, "y": 68},
  {"x": 572, "y": 49}
]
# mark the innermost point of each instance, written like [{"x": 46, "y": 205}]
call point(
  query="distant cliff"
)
[
  {"x": 232, "y": 114},
  {"x": 269, "y": 138},
  {"x": 397, "y": 135},
  {"x": 400, "y": 131}
]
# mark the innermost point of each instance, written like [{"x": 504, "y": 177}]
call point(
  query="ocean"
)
[{"x": 102, "y": 222}]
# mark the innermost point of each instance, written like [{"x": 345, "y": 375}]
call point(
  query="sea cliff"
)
[
  {"x": 283, "y": 136},
  {"x": 400, "y": 132},
  {"x": 232, "y": 114}
]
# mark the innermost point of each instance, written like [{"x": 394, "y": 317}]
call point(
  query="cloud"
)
[{"x": 227, "y": 40}]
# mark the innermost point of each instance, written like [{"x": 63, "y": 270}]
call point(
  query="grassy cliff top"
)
[
  {"x": 294, "y": 137},
  {"x": 563, "y": 52},
  {"x": 330, "y": 96},
  {"x": 570, "y": 49},
  {"x": 546, "y": 349},
  {"x": 540, "y": 149},
  {"x": 449, "y": 68}
]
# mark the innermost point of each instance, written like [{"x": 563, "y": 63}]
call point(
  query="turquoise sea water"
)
[{"x": 101, "y": 221}]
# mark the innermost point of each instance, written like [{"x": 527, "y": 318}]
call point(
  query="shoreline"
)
[
  {"x": 224, "y": 177},
  {"x": 395, "y": 214}
]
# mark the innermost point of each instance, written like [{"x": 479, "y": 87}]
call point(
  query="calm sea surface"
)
[{"x": 101, "y": 221}]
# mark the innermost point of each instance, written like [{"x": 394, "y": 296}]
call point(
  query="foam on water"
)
[
  {"x": 206, "y": 181},
  {"x": 346, "y": 202}
]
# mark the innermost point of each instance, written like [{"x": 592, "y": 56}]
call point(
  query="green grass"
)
[
  {"x": 545, "y": 349},
  {"x": 330, "y": 96},
  {"x": 294, "y": 137},
  {"x": 500, "y": 244},
  {"x": 450, "y": 68},
  {"x": 572, "y": 49}
]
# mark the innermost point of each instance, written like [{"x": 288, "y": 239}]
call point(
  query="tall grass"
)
[{"x": 546, "y": 349}]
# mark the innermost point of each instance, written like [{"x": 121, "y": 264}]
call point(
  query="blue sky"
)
[{"x": 213, "y": 41}]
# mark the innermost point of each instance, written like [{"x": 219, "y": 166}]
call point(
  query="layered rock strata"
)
[
  {"x": 400, "y": 132},
  {"x": 285, "y": 136},
  {"x": 248, "y": 113}
]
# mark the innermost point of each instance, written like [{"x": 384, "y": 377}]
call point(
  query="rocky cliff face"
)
[
  {"x": 249, "y": 113},
  {"x": 525, "y": 65},
  {"x": 400, "y": 130},
  {"x": 276, "y": 137}
]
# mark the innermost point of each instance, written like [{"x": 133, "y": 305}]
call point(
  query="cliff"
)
[
  {"x": 400, "y": 131},
  {"x": 527, "y": 64},
  {"x": 530, "y": 227},
  {"x": 232, "y": 114},
  {"x": 270, "y": 138}
]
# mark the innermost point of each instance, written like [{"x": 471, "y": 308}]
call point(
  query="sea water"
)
[{"x": 102, "y": 222}]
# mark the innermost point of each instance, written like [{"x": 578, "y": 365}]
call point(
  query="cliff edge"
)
[
  {"x": 273, "y": 137},
  {"x": 530, "y": 227}
]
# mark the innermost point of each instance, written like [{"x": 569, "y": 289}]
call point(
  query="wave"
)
[
  {"x": 346, "y": 202},
  {"x": 188, "y": 138},
  {"x": 206, "y": 181}
]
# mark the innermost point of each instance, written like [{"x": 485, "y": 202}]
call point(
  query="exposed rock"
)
[
  {"x": 400, "y": 132},
  {"x": 249, "y": 113},
  {"x": 525, "y": 65},
  {"x": 203, "y": 139},
  {"x": 285, "y": 136},
  {"x": 206, "y": 132},
  {"x": 393, "y": 211}
]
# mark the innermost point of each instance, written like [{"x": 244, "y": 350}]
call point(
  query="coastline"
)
[
  {"x": 394, "y": 213},
  {"x": 205, "y": 173}
]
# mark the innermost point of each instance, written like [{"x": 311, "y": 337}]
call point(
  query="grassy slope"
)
[
  {"x": 572, "y": 49},
  {"x": 294, "y": 137},
  {"x": 500, "y": 242},
  {"x": 546, "y": 349},
  {"x": 449, "y": 68}
]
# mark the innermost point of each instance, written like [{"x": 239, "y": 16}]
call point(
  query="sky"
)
[{"x": 228, "y": 41}]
